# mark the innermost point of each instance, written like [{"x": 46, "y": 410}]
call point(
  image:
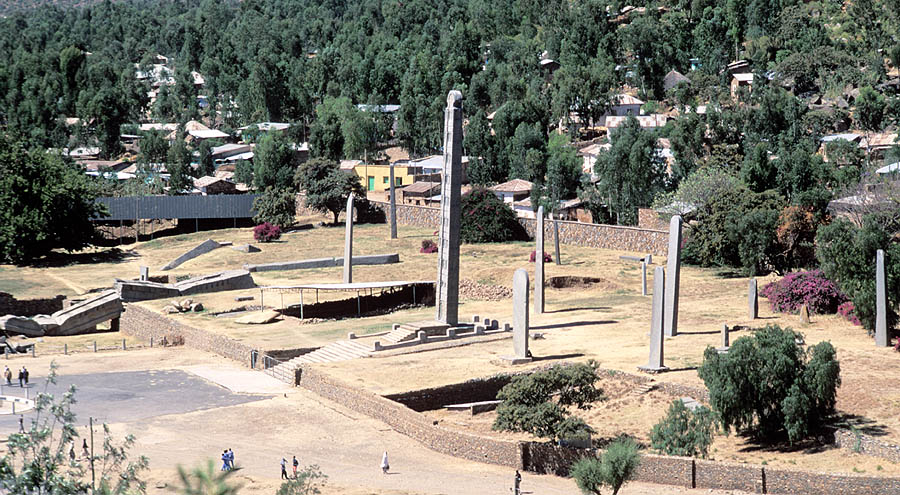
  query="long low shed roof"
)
[{"x": 352, "y": 286}]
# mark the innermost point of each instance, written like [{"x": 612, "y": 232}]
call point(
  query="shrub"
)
[
  {"x": 528, "y": 401},
  {"x": 768, "y": 385},
  {"x": 811, "y": 288},
  {"x": 617, "y": 466},
  {"x": 275, "y": 206},
  {"x": 428, "y": 246},
  {"x": 308, "y": 481},
  {"x": 683, "y": 432},
  {"x": 547, "y": 257},
  {"x": 846, "y": 254},
  {"x": 486, "y": 218},
  {"x": 266, "y": 232},
  {"x": 366, "y": 212},
  {"x": 796, "y": 234},
  {"x": 848, "y": 311},
  {"x": 736, "y": 228}
]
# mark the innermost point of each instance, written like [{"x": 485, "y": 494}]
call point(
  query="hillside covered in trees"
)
[{"x": 528, "y": 70}]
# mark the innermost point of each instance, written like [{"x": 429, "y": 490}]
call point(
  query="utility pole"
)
[{"x": 93, "y": 479}]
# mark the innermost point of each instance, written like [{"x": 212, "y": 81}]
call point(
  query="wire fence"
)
[{"x": 45, "y": 348}]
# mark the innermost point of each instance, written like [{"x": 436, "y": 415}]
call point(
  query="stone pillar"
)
[
  {"x": 348, "y": 242},
  {"x": 655, "y": 363},
  {"x": 520, "y": 318},
  {"x": 539, "y": 261},
  {"x": 644, "y": 277},
  {"x": 752, "y": 300},
  {"x": 556, "y": 240},
  {"x": 447, "y": 300},
  {"x": 881, "y": 334},
  {"x": 673, "y": 268},
  {"x": 393, "y": 212},
  {"x": 726, "y": 341},
  {"x": 145, "y": 273}
]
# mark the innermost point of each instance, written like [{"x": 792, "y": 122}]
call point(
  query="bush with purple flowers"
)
[
  {"x": 547, "y": 257},
  {"x": 811, "y": 288},
  {"x": 848, "y": 311},
  {"x": 266, "y": 232},
  {"x": 428, "y": 246}
]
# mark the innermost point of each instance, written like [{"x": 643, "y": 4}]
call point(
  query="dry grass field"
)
[{"x": 607, "y": 321}]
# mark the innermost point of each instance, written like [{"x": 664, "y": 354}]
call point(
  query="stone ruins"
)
[
  {"x": 655, "y": 363},
  {"x": 539, "y": 262},
  {"x": 348, "y": 242},
  {"x": 447, "y": 300},
  {"x": 673, "y": 269}
]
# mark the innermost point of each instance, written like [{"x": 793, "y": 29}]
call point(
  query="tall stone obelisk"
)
[
  {"x": 539, "y": 261},
  {"x": 348, "y": 242},
  {"x": 673, "y": 277},
  {"x": 447, "y": 300},
  {"x": 882, "y": 339}
]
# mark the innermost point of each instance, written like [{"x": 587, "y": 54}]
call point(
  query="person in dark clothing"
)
[
  {"x": 25, "y": 374},
  {"x": 22, "y": 377}
]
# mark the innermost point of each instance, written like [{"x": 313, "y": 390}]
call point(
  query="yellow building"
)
[{"x": 376, "y": 177}]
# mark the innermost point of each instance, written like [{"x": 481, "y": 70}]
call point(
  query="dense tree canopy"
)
[{"x": 47, "y": 204}]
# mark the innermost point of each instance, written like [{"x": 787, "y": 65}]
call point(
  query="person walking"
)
[
  {"x": 230, "y": 458},
  {"x": 84, "y": 450},
  {"x": 284, "y": 475},
  {"x": 517, "y": 490},
  {"x": 25, "y": 375},
  {"x": 72, "y": 453},
  {"x": 225, "y": 460},
  {"x": 21, "y": 376},
  {"x": 295, "y": 464},
  {"x": 384, "y": 463},
  {"x": 8, "y": 375}
]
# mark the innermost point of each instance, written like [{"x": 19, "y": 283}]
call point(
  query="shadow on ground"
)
[
  {"x": 114, "y": 255},
  {"x": 572, "y": 324}
]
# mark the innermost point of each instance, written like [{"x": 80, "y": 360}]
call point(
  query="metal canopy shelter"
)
[{"x": 359, "y": 287}]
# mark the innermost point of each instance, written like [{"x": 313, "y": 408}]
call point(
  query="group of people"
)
[
  {"x": 23, "y": 376},
  {"x": 227, "y": 460},
  {"x": 294, "y": 464}
]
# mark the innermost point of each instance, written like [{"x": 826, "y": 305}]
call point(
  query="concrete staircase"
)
[
  {"x": 403, "y": 333},
  {"x": 342, "y": 350}
]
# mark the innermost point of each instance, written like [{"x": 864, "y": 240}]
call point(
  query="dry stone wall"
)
[
  {"x": 411, "y": 423},
  {"x": 145, "y": 324},
  {"x": 9, "y": 305},
  {"x": 616, "y": 237}
]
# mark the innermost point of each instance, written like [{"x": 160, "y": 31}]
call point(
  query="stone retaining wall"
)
[
  {"x": 616, "y": 237},
  {"x": 145, "y": 324},
  {"x": 430, "y": 399},
  {"x": 411, "y": 423},
  {"x": 867, "y": 445},
  {"x": 9, "y": 305},
  {"x": 417, "y": 216}
]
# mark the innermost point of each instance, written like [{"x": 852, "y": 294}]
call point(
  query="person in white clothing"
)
[{"x": 384, "y": 463}]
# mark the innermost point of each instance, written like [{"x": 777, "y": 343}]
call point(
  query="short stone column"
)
[
  {"x": 521, "y": 353},
  {"x": 752, "y": 300}
]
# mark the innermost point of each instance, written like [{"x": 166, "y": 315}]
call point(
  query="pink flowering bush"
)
[
  {"x": 266, "y": 232},
  {"x": 811, "y": 288},
  {"x": 848, "y": 311},
  {"x": 547, "y": 257},
  {"x": 428, "y": 246}
]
